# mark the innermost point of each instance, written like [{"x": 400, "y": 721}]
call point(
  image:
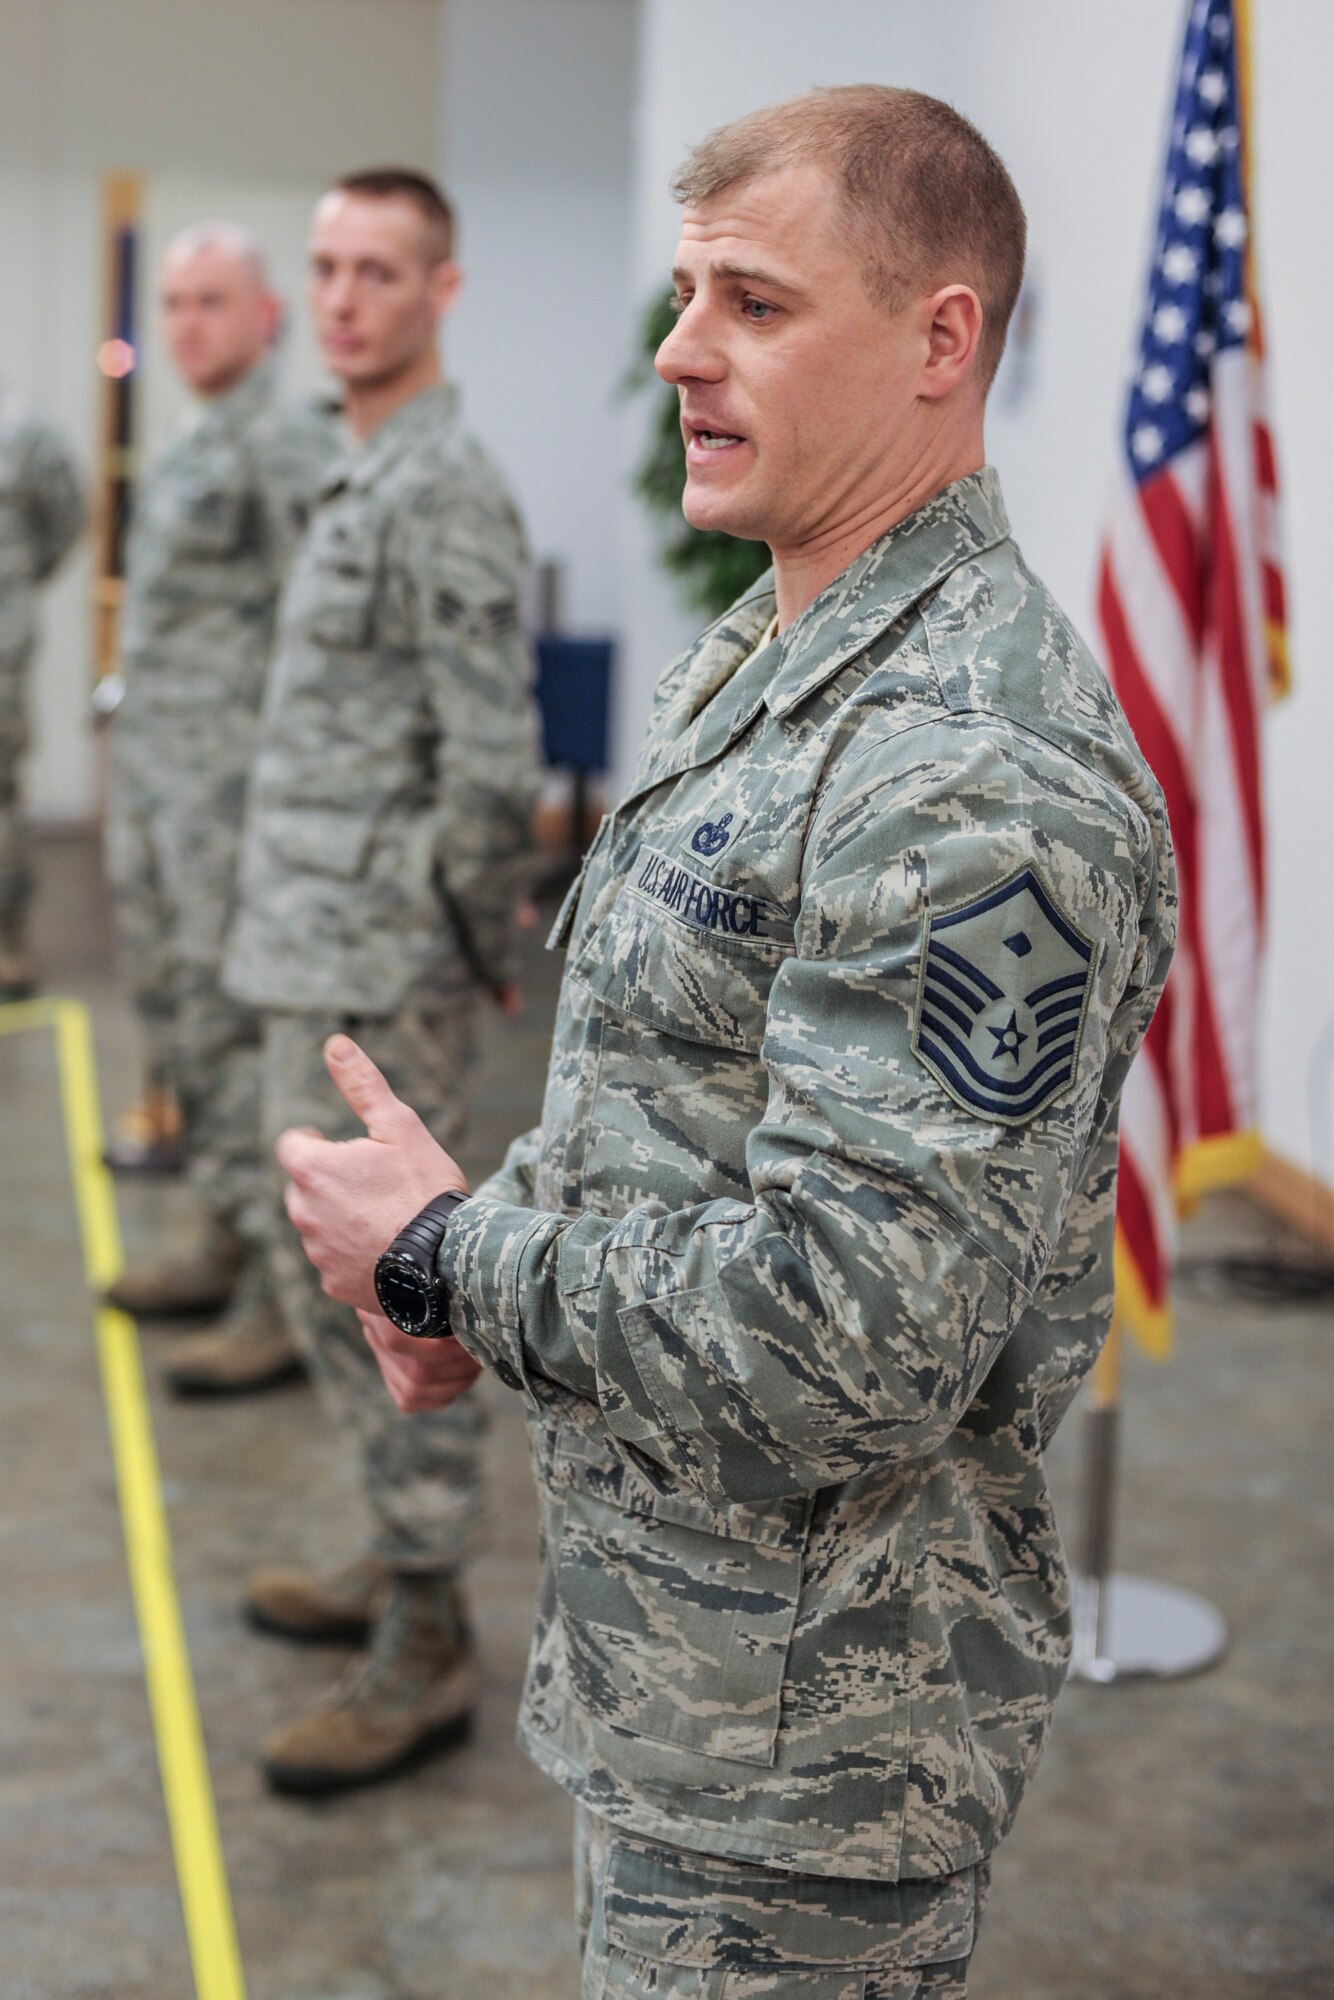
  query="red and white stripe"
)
[{"x": 1189, "y": 602}]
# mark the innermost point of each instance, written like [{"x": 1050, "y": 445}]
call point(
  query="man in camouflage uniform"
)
[
  {"x": 814, "y": 1242},
  {"x": 386, "y": 850},
  {"x": 41, "y": 513},
  {"x": 217, "y": 518}
]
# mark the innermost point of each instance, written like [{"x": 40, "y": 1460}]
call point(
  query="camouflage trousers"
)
[
  {"x": 172, "y": 862},
  {"x": 660, "y": 1921},
  {"x": 15, "y": 854},
  {"x": 422, "y": 1474}
]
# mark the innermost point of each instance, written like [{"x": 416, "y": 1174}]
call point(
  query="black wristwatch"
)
[{"x": 410, "y": 1289}]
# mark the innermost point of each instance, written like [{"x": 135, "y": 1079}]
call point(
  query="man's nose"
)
[
  {"x": 689, "y": 353},
  {"x": 339, "y": 294}
]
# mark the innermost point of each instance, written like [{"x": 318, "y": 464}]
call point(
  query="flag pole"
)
[{"x": 1127, "y": 1627}]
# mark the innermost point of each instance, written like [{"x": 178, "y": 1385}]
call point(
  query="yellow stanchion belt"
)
[{"x": 186, "y": 1787}]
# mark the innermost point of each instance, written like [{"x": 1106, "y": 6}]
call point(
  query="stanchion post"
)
[
  {"x": 1127, "y": 1627},
  {"x": 1102, "y": 1431}
]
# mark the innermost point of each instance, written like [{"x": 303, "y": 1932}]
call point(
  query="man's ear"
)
[
  {"x": 446, "y": 284},
  {"x": 953, "y": 319}
]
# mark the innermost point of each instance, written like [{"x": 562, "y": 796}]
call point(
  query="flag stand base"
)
[{"x": 1129, "y": 1628}]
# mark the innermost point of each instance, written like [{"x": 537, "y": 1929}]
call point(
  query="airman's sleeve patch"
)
[{"x": 1001, "y": 999}]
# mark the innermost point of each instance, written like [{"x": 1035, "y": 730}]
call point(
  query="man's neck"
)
[
  {"x": 218, "y": 390},
  {"x": 803, "y": 571},
  {"x": 367, "y": 405}
]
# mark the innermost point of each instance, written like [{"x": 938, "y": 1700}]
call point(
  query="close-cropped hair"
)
[
  {"x": 922, "y": 196},
  {"x": 426, "y": 196},
  {"x": 230, "y": 238}
]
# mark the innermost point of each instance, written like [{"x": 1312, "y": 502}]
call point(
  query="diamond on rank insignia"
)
[{"x": 1004, "y": 986}]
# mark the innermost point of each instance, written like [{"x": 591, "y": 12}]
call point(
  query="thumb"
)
[{"x": 362, "y": 1087}]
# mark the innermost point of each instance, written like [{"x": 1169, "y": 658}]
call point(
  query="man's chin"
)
[{"x": 718, "y": 514}]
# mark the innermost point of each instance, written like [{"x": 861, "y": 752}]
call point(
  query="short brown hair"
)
[
  {"x": 430, "y": 201},
  {"x": 920, "y": 190}
]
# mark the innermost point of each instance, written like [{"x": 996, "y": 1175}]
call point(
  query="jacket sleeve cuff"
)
[{"x": 479, "y": 1262}]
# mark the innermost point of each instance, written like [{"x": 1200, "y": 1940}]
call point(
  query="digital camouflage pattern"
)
[
  {"x": 391, "y": 804},
  {"x": 387, "y": 846},
  {"x": 659, "y": 1921},
  {"x": 795, "y": 1314},
  {"x": 421, "y": 1474},
  {"x": 41, "y": 513},
  {"x": 217, "y": 519}
]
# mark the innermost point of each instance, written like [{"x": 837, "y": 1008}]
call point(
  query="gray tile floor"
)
[{"x": 1175, "y": 1846}]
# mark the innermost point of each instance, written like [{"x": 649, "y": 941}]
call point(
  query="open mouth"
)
[{"x": 702, "y": 438}]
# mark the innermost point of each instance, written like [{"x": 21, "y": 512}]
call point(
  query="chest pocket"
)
[
  {"x": 677, "y": 1615},
  {"x": 338, "y": 584},
  {"x": 208, "y": 519},
  {"x": 695, "y": 984},
  {"x": 342, "y": 611}
]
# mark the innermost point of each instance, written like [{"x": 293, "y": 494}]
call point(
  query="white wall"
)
[
  {"x": 536, "y": 150},
  {"x": 257, "y": 101},
  {"x": 1075, "y": 98}
]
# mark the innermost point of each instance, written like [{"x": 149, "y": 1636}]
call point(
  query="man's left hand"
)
[
  {"x": 349, "y": 1198},
  {"x": 419, "y": 1374}
]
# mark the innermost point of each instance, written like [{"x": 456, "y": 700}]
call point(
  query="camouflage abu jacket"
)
[
  {"x": 388, "y": 828},
  {"x": 41, "y": 512},
  {"x": 814, "y": 1242},
  {"x": 217, "y": 518}
]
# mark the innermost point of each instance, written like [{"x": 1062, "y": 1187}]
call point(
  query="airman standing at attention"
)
[
  {"x": 217, "y": 518},
  {"x": 41, "y": 513},
  {"x": 386, "y": 849},
  {"x": 813, "y": 1245}
]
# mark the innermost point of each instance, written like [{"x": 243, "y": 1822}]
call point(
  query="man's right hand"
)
[{"x": 419, "y": 1374}]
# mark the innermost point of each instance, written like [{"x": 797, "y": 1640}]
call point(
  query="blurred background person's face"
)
[
  {"x": 218, "y": 315},
  {"x": 375, "y": 294}
]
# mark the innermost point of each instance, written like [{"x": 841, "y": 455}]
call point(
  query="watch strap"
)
[{"x": 423, "y": 1236}]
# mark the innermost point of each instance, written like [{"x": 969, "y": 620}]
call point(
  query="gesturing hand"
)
[
  {"x": 349, "y": 1198},
  {"x": 419, "y": 1374}
]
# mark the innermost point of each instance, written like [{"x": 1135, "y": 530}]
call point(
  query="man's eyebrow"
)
[{"x": 751, "y": 274}]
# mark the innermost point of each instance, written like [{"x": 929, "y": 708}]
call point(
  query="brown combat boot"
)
[
  {"x": 201, "y": 1279},
  {"x": 18, "y": 974},
  {"x": 148, "y": 1137},
  {"x": 319, "y": 1610},
  {"x": 250, "y": 1349},
  {"x": 411, "y": 1696}
]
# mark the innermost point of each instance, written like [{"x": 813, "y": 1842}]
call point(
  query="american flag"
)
[{"x": 1190, "y": 603}]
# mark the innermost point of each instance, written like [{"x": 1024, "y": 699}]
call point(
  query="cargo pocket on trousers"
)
[
  {"x": 321, "y": 840},
  {"x": 678, "y": 1616},
  {"x": 742, "y": 1928}
]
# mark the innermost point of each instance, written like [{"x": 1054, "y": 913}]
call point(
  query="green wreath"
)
[{"x": 715, "y": 569}]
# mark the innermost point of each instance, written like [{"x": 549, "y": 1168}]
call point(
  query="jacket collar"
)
[
  {"x": 690, "y": 727},
  {"x": 430, "y": 411},
  {"x": 885, "y": 581}
]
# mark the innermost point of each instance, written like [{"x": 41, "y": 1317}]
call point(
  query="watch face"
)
[{"x": 404, "y": 1297}]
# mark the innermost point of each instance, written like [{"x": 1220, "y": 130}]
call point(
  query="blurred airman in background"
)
[
  {"x": 217, "y": 518},
  {"x": 41, "y": 513},
  {"x": 387, "y": 846}
]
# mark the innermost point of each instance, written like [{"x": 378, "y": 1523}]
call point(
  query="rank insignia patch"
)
[{"x": 1000, "y": 1003}]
